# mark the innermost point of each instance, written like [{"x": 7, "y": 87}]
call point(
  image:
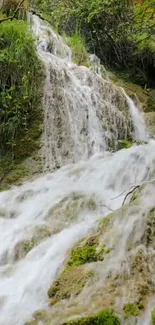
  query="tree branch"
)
[
  {"x": 130, "y": 193},
  {"x": 14, "y": 14}
]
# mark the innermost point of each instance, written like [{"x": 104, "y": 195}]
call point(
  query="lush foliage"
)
[
  {"x": 77, "y": 44},
  {"x": 121, "y": 33},
  {"x": 20, "y": 89}
]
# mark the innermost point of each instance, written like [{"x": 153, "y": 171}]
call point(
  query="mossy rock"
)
[
  {"x": 153, "y": 317},
  {"x": 68, "y": 209},
  {"x": 104, "y": 223},
  {"x": 132, "y": 309},
  {"x": 130, "y": 88},
  {"x": 24, "y": 247},
  {"x": 124, "y": 144},
  {"x": 149, "y": 234},
  {"x": 40, "y": 316},
  {"x": 87, "y": 251},
  {"x": 70, "y": 283},
  {"x": 15, "y": 176},
  {"x": 150, "y": 122},
  {"x": 150, "y": 103},
  {"x": 105, "y": 317}
]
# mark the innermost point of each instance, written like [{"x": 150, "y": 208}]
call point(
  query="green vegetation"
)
[
  {"x": 134, "y": 197},
  {"x": 153, "y": 317},
  {"x": 121, "y": 34},
  {"x": 124, "y": 144},
  {"x": 131, "y": 309},
  {"x": 21, "y": 78},
  {"x": 70, "y": 283},
  {"x": 85, "y": 254},
  {"x": 106, "y": 317},
  {"x": 80, "y": 54}
]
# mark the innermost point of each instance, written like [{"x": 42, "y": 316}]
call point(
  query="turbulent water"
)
[
  {"x": 42, "y": 220},
  {"x": 24, "y": 282}
]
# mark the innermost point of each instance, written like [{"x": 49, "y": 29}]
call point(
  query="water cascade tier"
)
[
  {"x": 95, "y": 192},
  {"x": 84, "y": 113}
]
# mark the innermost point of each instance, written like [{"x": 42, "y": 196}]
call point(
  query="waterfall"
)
[
  {"x": 42, "y": 220},
  {"x": 140, "y": 127},
  {"x": 84, "y": 113},
  {"x": 24, "y": 211}
]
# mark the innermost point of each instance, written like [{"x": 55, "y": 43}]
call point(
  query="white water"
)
[
  {"x": 140, "y": 127},
  {"x": 24, "y": 282},
  {"x": 84, "y": 113}
]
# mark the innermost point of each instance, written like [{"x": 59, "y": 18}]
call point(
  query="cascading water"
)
[
  {"x": 140, "y": 127},
  {"x": 42, "y": 220},
  {"x": 84, "y": 113},
  {"x": 24, "y": 281}
]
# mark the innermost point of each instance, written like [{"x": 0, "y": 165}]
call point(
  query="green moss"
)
[
  {"x": 15, "y": 174},
  {"x": 105, "y": 317},
  {"x": 79, "y": 52},
  {"x": 28, "y": 245},
  {"x": 104, "y": 223},
  {"x": 149, "y": 234},
  {"x": 153, "y": 317},
  {"x": 70, "y": 282},
  {"x": 124, "y": 144},
  {"x": 91, "y": 204},
  {"x": 134, "y": 197},
  {"x": 131, "y": 309},
  {"x": 85, "y": 254}
]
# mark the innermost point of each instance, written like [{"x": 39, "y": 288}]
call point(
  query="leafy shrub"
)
[
  {"x": 21, "y": 77},
  {"x": 121, "y": 33}
]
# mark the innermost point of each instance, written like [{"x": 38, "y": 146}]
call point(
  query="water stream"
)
[{"x": 82, "y": 112}]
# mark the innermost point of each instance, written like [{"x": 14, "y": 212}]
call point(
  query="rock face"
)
[{"x": 150, "y": 122}]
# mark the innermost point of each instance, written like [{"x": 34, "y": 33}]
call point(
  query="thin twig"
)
[
  {"x": 105, "y": 206},
  {"x": 14, "y": 14},
  {"x": 130, "y": 193},
  {"x": 116, "y": 197}
]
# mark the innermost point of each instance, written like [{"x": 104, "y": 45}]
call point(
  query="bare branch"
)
[
  {"x": 105, "y": 206},
  {"x": 130, "y": 193},
  {"x": 14, "y": 14}
]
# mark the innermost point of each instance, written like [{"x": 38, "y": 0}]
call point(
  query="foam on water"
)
[{"x": 24, "y": 283}]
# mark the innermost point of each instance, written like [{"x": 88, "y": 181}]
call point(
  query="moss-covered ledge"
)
[{"x": 105, "y": 317}]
